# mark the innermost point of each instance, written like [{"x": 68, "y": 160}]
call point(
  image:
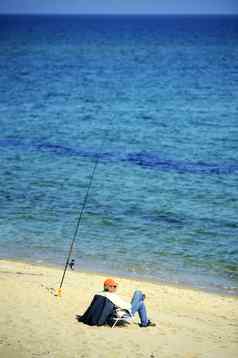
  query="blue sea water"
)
[{"x": 161, "y": 93}]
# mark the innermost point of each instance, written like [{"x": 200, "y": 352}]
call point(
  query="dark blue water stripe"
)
[{"x": 143, "y": 159}]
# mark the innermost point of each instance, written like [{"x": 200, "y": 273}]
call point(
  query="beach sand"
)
[{"x": 34, "y": 323}]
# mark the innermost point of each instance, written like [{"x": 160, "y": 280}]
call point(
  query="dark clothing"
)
[{"x": 99, "y": 312}]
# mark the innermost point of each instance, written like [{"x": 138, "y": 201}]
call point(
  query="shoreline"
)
[
  {"x": 134, "y": 277},
  {"x": 35, "y": 323}
]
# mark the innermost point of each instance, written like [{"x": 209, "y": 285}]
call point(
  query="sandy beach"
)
[{"x": 35, "y": 323}]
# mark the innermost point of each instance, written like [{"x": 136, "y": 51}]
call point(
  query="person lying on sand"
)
[{"x": 100, "y": 312}]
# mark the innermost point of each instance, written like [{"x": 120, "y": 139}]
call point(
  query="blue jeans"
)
[{"x": 137, "y": 305}]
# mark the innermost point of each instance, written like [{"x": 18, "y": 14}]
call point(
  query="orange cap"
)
[{"x": 110, "y": 282}]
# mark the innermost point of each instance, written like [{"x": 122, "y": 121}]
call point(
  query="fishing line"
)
[{"x": 59, "y": 290}]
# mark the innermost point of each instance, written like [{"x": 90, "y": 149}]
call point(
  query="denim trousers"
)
[{"x": 137, "y": 305}]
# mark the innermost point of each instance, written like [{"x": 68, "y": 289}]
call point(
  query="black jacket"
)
[{"x": 99, "y": 312}]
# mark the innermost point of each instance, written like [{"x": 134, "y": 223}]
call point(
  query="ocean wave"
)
[{"x": 143, "y": 159}]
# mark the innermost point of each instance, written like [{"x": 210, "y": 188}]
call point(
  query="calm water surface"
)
[{"x": 163, "y": 90}]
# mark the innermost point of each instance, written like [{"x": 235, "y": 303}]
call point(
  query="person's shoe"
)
[{"x": 149, "y": 324}]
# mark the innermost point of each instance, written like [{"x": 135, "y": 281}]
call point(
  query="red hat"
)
[{"x": 110, "y": 282}]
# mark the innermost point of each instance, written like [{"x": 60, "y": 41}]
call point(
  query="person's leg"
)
[{"x": 137, "y": 305}]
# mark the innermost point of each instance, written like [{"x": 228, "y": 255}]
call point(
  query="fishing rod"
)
[{"x": 59, "y": 290}]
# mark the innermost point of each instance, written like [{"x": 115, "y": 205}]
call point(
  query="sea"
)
[{"x": 153, "y": 99}]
